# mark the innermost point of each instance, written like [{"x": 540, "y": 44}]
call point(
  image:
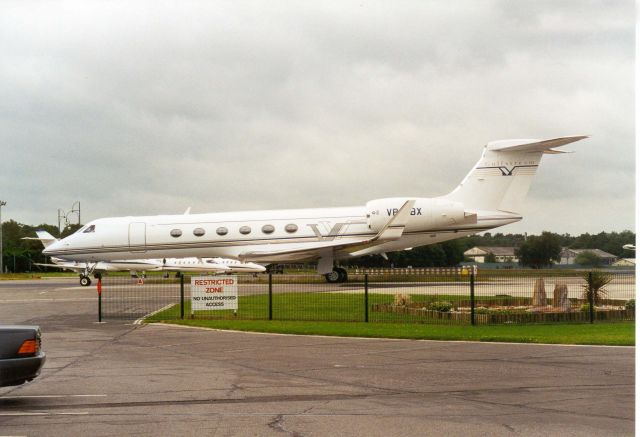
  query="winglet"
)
[
  {"x": 545, "y": 146},
  {"x": 395, "y": 226}
]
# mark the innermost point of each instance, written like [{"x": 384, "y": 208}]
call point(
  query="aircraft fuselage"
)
[{"x": 229, "y": 235}]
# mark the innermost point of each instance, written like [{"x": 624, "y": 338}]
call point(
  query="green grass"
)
[
  {"x": 346, "y": 307},
  {"x": 35, "y": 275},
  {"x": 313, "y": 306},
  {"x": 341, "y": 314},
  {"x": 613, "y": 334}
]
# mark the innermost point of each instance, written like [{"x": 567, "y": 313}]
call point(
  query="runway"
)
[{"x": 119, "y": 379}]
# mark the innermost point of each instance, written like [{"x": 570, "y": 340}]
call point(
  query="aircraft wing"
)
[
  {"x": 195, "y": 268},
  {"x": 391, "y": 231},
  {"x": 69, "y": 266}
]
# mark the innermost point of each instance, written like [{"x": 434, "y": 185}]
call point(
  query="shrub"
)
[
  {"x": 594, "y": 288},
  {"x": 442, "y": 306},
  {"x": 402, "y": 300},
  {"x": 630, "y": 305}
]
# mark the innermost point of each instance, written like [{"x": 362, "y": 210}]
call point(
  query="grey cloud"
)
[{"x": 150, "y": 108}]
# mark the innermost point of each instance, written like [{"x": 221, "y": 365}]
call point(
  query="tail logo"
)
[{"x": 505, "y": 171}]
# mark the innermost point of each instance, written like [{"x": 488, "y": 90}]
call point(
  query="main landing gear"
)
[
  {"x": 85, "y": 280},
  {"x": 337, "y": 275}
]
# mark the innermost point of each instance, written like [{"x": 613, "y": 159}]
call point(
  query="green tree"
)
[
  {"x": 588, "y": 259},
  {"x": 540, "y": 251},
  {"x": 70, "y": 229}
]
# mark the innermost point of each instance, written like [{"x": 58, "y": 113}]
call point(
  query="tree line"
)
[
  {"x": 19, "y": 255},
  {"x": 534, "y": 251}
]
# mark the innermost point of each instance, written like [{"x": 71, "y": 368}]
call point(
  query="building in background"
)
[
  {"x": 625, "y": 262},
  {"x": 568, "y": 256},
  {"x": 484, "y": 254}
]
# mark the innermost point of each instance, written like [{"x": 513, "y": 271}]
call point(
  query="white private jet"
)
[
  {"x": 193, "y": 264},
  {"x": 488, "y": 197}
]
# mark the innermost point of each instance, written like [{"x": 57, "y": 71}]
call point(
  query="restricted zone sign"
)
[{"x": 214, "y": 293}]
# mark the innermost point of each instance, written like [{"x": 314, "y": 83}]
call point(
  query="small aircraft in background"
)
[{"x": 192, "y": 264}]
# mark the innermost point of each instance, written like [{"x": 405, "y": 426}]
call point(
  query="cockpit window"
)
[{"x": 91, "y": 228}]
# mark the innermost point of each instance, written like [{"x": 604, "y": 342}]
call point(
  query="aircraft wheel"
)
[
  {"x": 85, "y": 281},
  {"x": 333, "y": 277},
  {"x": 342, "y": 273}
]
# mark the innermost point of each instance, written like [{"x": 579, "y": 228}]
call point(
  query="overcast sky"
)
[{"x": 137, "y": 108}]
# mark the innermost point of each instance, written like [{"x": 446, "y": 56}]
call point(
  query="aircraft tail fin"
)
[
  {"x": 501, "y": 178},
  {"x": 45, "y": 238}
]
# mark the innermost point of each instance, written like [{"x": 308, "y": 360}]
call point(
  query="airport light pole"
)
[{"x": 2, "y": 203}]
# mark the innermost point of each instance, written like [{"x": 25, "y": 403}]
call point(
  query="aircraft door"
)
[{"x": 137, "y": 237}]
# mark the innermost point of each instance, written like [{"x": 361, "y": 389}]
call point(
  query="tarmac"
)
[{"x": 117, "y": 378}]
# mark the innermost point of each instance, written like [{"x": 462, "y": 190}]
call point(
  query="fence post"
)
[
  {"x": 366, "y": 298},
  {"x": 590, "y": 296},
  {"x": 472, "y": 297},
  {"x": 181, "y": 296},
  {"x": 270, "y": 296},
  {"x": 99, "y": 300}
]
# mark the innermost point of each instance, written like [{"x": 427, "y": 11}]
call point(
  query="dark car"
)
[{"x": 21, "y": 356}]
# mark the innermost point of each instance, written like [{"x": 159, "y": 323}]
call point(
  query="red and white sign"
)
[{"x": 214, "y": 293}]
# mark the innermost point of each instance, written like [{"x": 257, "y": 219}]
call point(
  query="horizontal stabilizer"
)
[{"x": 545, "y": 146}]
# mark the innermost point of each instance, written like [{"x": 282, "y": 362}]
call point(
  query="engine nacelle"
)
[{"x": 426, "y": 214}]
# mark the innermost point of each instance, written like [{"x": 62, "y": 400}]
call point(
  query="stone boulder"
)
[
  {"x": 539, "y": 294},
  {"x": 561, "y": 297}
]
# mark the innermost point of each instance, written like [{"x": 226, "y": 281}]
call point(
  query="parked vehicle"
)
[{"x": 21, "y": 355}]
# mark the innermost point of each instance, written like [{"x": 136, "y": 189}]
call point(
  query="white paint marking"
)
[
  {"x": 139, "y": 321},
  {"x": 53, "y": 396},
  {"x": 45, "y": 413}
]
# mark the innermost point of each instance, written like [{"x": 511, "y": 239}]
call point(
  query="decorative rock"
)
[
  {"x": 539, "y": 294},
  {"x": 561, "y": 297}
]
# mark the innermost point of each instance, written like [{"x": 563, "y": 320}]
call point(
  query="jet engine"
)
[{"x": 426, "y": 214}]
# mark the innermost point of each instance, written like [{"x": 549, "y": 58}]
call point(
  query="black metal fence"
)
[{"x": 450, "y": 296}]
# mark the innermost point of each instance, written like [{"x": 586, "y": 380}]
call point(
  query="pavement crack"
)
[
  {"x": 278, "y": 425},
  {"x": 508, "y": 428}
]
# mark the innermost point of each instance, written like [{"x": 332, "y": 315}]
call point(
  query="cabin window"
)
[
  {"x": 198, "y": 232},
  {"x": 245, "y": 230},
  {"x": 222, "y": 231},
  {"x": 291, "y": 228},
  {"x": 268, "y": 229},
  {"x": 175, "y": 233},
  {"x": 91, "y": 228}
]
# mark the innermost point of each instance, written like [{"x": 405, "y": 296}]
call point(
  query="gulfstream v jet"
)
[{"x": 488, "y": 197}]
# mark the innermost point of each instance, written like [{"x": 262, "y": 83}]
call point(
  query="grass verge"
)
[
  {"x": 35, "y": 275},
  {"x": 612, "y": 334}
]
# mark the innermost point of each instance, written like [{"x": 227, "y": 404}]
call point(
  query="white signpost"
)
[{"x": 214, "y": 293}]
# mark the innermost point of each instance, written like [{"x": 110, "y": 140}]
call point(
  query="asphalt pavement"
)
[{"x": 117, "y": 378}]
